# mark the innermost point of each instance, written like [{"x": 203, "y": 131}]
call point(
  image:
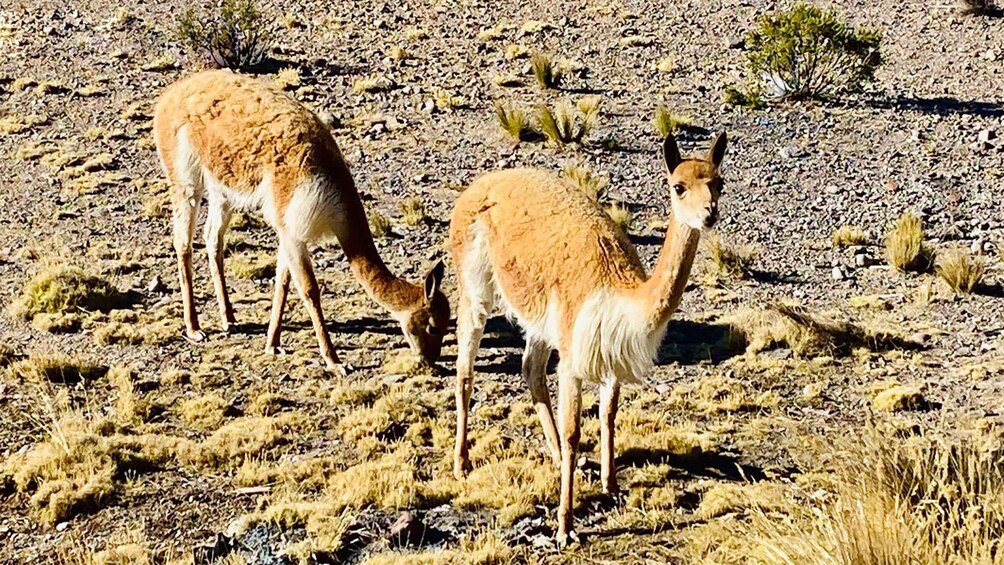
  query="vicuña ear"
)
[
  {"x": 717, "y": 152},
  {"x": 434, "y": 279},
  {"x": 671, "y": 153}
]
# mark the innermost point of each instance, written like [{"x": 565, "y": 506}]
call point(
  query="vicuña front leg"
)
[
  {"x": 217, "y": 219},
  {"x": 470, "y": 327},
  {"x": 186, "y": 199},
  {"x": 306, "y": 284},
  {"x": 569, "y": 415},
  {"x": 609, "y": 396},
  {"x": 278, "y": 304},
  {"x": 535, "y": 373}
]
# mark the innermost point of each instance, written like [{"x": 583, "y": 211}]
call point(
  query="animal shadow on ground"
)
[
  {"x": 941, "y": 105},
  {"x": 991, "y": 290},
  {"x": 690, "y": 343}
]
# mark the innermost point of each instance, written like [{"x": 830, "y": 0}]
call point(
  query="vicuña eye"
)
[{"x": 680, "y": 189}]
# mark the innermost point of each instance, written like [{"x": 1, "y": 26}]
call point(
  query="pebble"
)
[
  {"x": 977, "y": 247},
  {"x": 860, "y": 260},
  {"x": 155, "y": 284},
  {"x": 837, "y": 274},
  {"x": 986, "y": 135},
  {"x": 793, "y": 152},
  {"x": 60, "y": 527}
]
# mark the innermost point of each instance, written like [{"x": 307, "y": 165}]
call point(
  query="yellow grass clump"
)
[
  {"x": 64, "y": 289},
  {"x": 895, "y": 397},
  {"x": 960, "y": 270},
  {"x": 413, "y": 212},
  {"x": 848, "y": 236},
  {"x": 904, "y": 245},
  {"x": 666, "y": 122},
  {"x": 728, "y": 261},
  {"x": 803, "y": 332},
  {"x": 513, "y": 120},
  {"x": 565, "y": 123},
  {"x": 544, "y": 71},
  {"x": 586, "y": 179},
  {"x": 922, "y": 500}
]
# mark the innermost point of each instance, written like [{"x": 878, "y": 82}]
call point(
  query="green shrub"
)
[
  {"x": 808, "y": 53},
  {"x": 232, "y": 34}
]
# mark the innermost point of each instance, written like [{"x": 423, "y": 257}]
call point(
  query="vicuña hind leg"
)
[
  {"x": 278, "y": 304},
  {"x": 217, "y": 219},
  {"x": 472, "y": 313},
  {"x": 186, "y": 197},
  {"x": 298, "y": 259},
  {"x": 569, "y": 416},
  {"x": 535, "y": 358}
]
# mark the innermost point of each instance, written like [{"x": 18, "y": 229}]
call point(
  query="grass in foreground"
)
[
  {"x": 960, "y": 270},
  {"x": 904, "y": 245},
  {"x": 923, "y": 500}
]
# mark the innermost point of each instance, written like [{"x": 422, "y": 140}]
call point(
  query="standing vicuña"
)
[
  {"x": 573, "y": 281},
  {"x": 243, "y": 143}
]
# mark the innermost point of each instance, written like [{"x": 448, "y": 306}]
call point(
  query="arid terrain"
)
[{"x": 121, "y": 442}]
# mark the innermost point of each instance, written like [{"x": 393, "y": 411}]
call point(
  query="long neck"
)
[
  {"x": 663, "y": 289},
  {"x": 393, "y": 293}
]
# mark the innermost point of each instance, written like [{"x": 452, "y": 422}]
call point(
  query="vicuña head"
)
[
  {"x": 542, "y": 249},
  {"x": 242, "y": 143},
  {"x": 694, "y": 183}
]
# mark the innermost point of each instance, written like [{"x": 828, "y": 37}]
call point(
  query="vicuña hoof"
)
[
  {"x": 566, "y": 539},
  {"x": 336, "y": 369},
  {"x": 195, "y": 336}
]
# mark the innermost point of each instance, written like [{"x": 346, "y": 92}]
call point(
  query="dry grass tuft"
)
[
  {"x": 56, "y": 369},
  {"x": 256, "y": 265},
  {"x": 620, "y": 215},
  {"x": 802, "y": 332},
  {"x": 849, "y": 236},
  {"x": 11, "y": 124},
  {"x": 446, "y": 101},
  {"x": 380, "y": 226},
  {"x": 513, "y": 121},
  {"x": 716, "y": 394},
  {"x": 981, "y": 8},
  {"x": 63, "y": 289},
  {"x": 205, "y": 412},
  {"x": 288, "y": 78},
  {"x": 728, "y": 261},
  {"x": 924, "y": 500},
  {"x": 544, "y": 71},
  {"x": 904, "y": 245},
  {"x": 244, "y": 437},
  {"x": 376, "y": 83},
  {"x": 895, "y": 397},
  {"x": 725, "y": 498},
  {"x": 587, "y": 180},
  {"x": 515, "y": 486},
  {"x": 960, "y": 270},
  {"x": 666, "y": 122},
  {"x": 413, "y": 212},
  {"x": 565, "y": 123}
]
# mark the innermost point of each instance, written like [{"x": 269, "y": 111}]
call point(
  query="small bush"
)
[
  {"x": 666, "y": 122},
  {"x": 543, "y": 70},
  {"x": 567, "y": 124},
  {"x": 513, "y": 121},
  {"x": 232, "y": 35},
  {"x": 847, "y": 236},
  {"x": 808, "y": 53},
  {"x": 904, "y": 245},
  {"x": 960, "y": 270}
]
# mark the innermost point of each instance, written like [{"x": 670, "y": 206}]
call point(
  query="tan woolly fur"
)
[
  {"x": 540, "y": 248},
  {"x": 243, "y": 143}
]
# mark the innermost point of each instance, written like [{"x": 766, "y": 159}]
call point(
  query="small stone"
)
[
  {"x": 735, "y": 42},
  {"x": 62, "y": 526},
  {"x": 155, "y": 284},
  {"x": 793, "y": 152},
  {"x": 328, "y": 119},
  {"x": 837, "y": 274},
  {"x": 977, "y": 247},
  {"x": 920, "y": 338},
  {"x": 986, "y": 135},
  {"x": 581, "y": 462},
  {"x": 407, "y": 530},
  {"x": 860, "y": 260}
]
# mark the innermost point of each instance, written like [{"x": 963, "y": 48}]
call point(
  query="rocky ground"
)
[{"x": 77, "y": 81}]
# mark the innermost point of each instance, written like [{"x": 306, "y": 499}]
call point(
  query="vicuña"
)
[
  {"x": 242, "y": 143},
  {"x": 548, "y": 254}
]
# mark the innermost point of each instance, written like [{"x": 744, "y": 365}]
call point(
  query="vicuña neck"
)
[
  {"x": 393, "y": 293},
  {"x": 664, "y": 288}
]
